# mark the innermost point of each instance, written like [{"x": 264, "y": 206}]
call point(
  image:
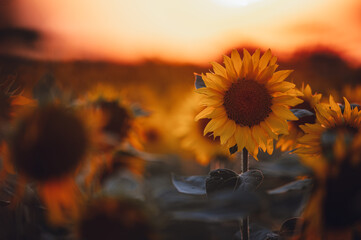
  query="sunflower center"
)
[
  {"x": 247, "y": 102},
  {"x": 49, "y": 143},
  {"x": 329, "y": 138},
  {"x": 118, "y": 122}
]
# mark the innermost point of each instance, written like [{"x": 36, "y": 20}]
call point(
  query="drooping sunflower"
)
[
  {"x": 115, "y": 127},
  {"x": 247, "y": 101},
  {"x": 47, "y": 148},
  {"x": 289, "y": 141},
  {"x": 117, "y": 120},
  {"x": 331, "y": 148},
  {"x": 205, "y": 147}
]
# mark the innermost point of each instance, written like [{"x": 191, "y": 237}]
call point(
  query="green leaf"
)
[
  {"x": 195, "y": 185},
  {"x": 199, "y": 83},
  {"x": 300, "y": 113},
  {"x": 293, "y": 186},
  {"x": 233, "y": 149}
]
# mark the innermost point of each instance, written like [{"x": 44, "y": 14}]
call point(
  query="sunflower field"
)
[{"x": 245, "y": 149}]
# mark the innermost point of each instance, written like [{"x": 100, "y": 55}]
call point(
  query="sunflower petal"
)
[
  {"x": 226, "y": 131},
  {"x": 280, "y": 76},
  {"x": 205, "y": 113},
  {"x": 237, "y": 61},
  {"x": 347, "y": 111},
  {"x": 287, "y": 100},
  {"x": 255, "y": 58},
  {"x": 242, "y": 134},
  {"x": 283, "y": 112},
  {"x": 219, "y": 69},
  {"x": 263, "y": 62},
  {"x": 214, "y": 124},
  {"x": 231, "y": 72}
]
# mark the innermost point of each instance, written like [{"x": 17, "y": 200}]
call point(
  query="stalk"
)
[{"x": 245, "y": 220}]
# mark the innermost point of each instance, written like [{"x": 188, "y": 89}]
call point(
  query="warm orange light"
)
[{"x": 188, "y": 30}]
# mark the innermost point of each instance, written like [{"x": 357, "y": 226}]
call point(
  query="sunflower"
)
[
  {"x": 205, "y": 147},
  {"x": 47, "y": 148},
  {"x": 118, "y": 123},
  {"x": 289, "y": 142},
  {"x": 115, "y": 127},
  {"x": 247, "y": 102},
  {"x": 314, "y": 148},
  {"x": 331, "y": 148}
]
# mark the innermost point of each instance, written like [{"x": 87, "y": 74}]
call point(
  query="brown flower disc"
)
[
  {"x": 49, "y": 143},
  {"x": 247, "y": 102}
]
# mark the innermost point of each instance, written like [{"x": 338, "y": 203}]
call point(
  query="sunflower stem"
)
[
  {"x": 245, "y": 161},
  {"x": 245, "y": 220}
]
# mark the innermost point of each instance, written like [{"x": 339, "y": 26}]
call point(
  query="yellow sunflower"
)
[
  {"x": 118, "y": 124},
  {"x": 330, "y": 119},
  {"x": 331, "y": 148},
  {"x": 247, "y": 101},
  {"x": 115, "y": 127},
  {"x": 289, "y": 141},
  {"x": 47, "y": 147},
  {"x": 205, "y": 147}
]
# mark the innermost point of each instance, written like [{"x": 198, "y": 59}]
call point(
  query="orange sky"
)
[{"x": 192, "y": 31}]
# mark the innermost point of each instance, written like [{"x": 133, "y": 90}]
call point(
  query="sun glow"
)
[
  {"x": 187, "y": 30},
  {"x": 235, "y": 3}
]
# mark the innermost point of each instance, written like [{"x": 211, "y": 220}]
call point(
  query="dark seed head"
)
[
  {"x": 118, "y": 119},
  {"x": 49, "y": 143}
]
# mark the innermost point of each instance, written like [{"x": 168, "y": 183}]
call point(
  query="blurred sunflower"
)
[
  {"x": 332, "y": 148},
  {"x": 115, "y": 127},
  {"x": 118, "y": 124},
  {"x": 205, "y": 146},
  {"x": 155, "y": 137},
  {"x": 11, "y": 105},
  {"x": 47, "y": 147},
  {"x": 314, "y": 148},
  {"x": 247, "y": 102},
  {"x": 289, "y": 142}
]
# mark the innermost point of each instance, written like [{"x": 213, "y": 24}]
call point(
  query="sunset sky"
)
[{"x": 189, "y": 31}]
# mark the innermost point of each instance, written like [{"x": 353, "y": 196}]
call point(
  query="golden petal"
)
[
  {"x": 205, "y": 113},
  {"x": 227, "y": 131},
  {"x": 242, "y": 134},
  {"x": 277, "y": 125},
  {"x": 287, "y": 100},
  {"x": 280, "y": 76},
  {"x": 237, "y": 61},
  {"x": 214, "y": 124},
  {"x": 280, "y": 87},
  {"x": 266, "y": 74},
  {"x": 231, "y": 72},
  {"x": 263, "y": 62},
  {"x": 268, "y": 130},
  {"x": 347, "y": 111},
  {"x": 283, "y": 112},
  {"x": 219, "y": 69},
  {"x": 255, "y": 59}
]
